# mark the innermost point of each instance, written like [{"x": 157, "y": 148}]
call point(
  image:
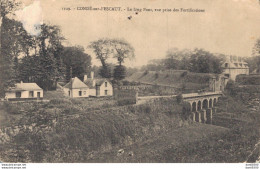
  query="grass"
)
[
  {"x": 192, "y": 81},
  {"x": 48, "y": 134},
  {"x": 79, "y": 130},
  {"x": 163, "y": 147}
]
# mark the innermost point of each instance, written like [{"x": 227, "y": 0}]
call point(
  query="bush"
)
[
  {"x": 179, "y": 98},
  {"x": 232, "y": 88},
  {"x": 11, "y": 108}
]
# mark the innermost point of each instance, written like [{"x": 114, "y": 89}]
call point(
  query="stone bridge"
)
[{"x": 202, "y": 105}]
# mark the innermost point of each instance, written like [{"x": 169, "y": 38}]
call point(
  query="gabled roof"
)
[
  {"x": 75, "y": 83},
  {"x": 24, "y": 87},
  {"x": 90, "y": 82},
  {"x": 99, "y": 82},
  {"x": 96, "y": 82}
]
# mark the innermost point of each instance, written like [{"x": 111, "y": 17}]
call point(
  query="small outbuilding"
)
[{"x": 24, "y": 91}]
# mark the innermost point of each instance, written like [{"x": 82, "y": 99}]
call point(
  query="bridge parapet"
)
[
  {"x": 203, "y": 94},
  {"x": 202, "y": 105}
]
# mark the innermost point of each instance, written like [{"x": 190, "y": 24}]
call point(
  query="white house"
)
[
  {"x": 89, "y": 87},
  {"x": 98, "y": 87},
  {"x": 76, "y": 88},
  {"x": 24, "y": 91},
  {"x": 234, "y": 66}
]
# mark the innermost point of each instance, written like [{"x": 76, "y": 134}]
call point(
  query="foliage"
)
[
  {"x": 10, "y": 32},
  {"x": 248, "y": 79},
  {"x": 204, "y": 62},
  {"x": 52, "y": 135},
  {"x": 117, "y": 48},
  {"x": 179, "y": 98},
  {"x": 177, "y": 59},
  {"x": 105, "y": 71},
  {"x": 122, "y": 50},
  {"x": 119, "y": 72},
  {"x": 77, "y": 61},
  {"x": 103, "y": 49},
  {"x": 8, "y": 7},
  {"x": 197, "y": 60},
  {"x": 232, "y": 88}
]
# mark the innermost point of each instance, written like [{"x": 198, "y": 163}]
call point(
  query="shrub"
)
[
  {"x": 179, "y": 98},
  {"x": 59, "y": 101},
  {"x": 232, "y": 88},
  {"x": 156, "y": 75},
  {"x": 11, "y": 108}
]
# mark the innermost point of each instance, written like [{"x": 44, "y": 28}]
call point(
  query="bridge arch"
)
[
  {"x": 194, "y": 107},
  {"x": 210, "y": 103},
  {"x": 215, "y": 101},
  {"x": 205, "y": 104},
  {"x": 199, "y": 105}
]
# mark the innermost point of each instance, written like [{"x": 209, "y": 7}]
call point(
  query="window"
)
[
  {"x": 80, "y": 93},
  {"x": 105, "y": 84},
  {"x": 226, "y": 64},
  {"x": 18, "y": 94},
  {"x": 31, "y": 94},
  {"x": 84, "y": 93},
  {"x": 105, "y": 92},
  {"x": 69, "y": 93}
]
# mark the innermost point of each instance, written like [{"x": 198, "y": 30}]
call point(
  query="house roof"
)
[
  {"x": 75, "y": 83},
  {"x": 234, "y": 63},
  {"x": 96, "y": 82},
  {"x": 90, "y": 82},
  {"x": 99, "y": 82},
  {"x": 24, "y": 87}
]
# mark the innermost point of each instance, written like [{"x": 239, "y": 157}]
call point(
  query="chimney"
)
[
  {"x": 92, "y": 75},
  {"x": 85, "y": 78}
]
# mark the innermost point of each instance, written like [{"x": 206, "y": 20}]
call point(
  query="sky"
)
[{"x": 230, "y": 27}]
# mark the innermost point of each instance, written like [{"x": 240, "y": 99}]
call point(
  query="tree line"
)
[
  {"x": 36, "y": 58},
  {"x": 197, "y": 60},
  {"x": 200, "y": 61},
  {"x": 43, "y": 59}
]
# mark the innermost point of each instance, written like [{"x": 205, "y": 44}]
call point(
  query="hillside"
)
[{"x": 177, "y": 79}]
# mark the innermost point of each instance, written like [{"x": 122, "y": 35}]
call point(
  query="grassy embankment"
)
[
  {"x": 168, "y": 83},
  {"x": 73, "y": 130}
]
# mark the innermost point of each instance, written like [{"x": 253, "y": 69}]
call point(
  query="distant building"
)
[
  {"x": 89, "y": 87},
  {"x": 76, "y": 88},
  {"x": 234, "y": 66},
  {"x": 24, "y": 91}
]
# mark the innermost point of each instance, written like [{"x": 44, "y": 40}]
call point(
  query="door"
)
[
  {"x": 31, "y": 94},
  {"x": 97, "y": 90},
  {"x": 38, "y": 95}
]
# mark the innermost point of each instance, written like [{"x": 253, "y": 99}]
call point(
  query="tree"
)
[
  {"x": 7, "y": 7},
  {"x": 122, "y": 50},
  {"x": 254, "y": 61},
  {"x": 177, "y": 59},
  {"x": 202, "y": 61},
  {"x": 119, "y": 72},
  {"x": 103, "y": 49},
  {"x": 75, "y": 58}
]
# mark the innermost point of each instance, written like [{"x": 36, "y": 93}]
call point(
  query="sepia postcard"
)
[{"x": 140, "y": 81}]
